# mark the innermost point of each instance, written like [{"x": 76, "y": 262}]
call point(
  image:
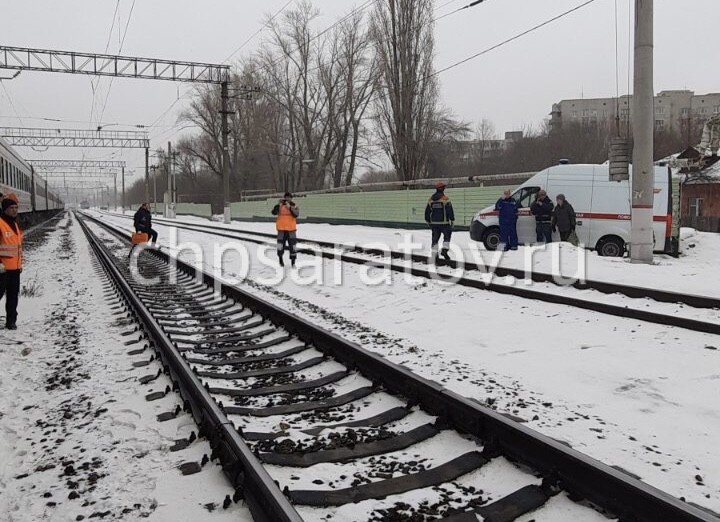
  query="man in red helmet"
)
[{"x": 439, "y": 215}]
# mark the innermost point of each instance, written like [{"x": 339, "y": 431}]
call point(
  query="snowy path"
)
[
  {"x": 632, "y": 394},
  {"x": 78, "y": 440}
]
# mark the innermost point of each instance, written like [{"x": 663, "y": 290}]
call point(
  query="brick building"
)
[{"x": 700, "y": 196}]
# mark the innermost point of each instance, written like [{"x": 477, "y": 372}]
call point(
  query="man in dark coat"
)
[
  {"x": 507, "y": 217},
  {"x": 564, "y": 220},
  {"x": 143, "y": 222},
  {"x": 440, "y": 217},
  {"x": 542, "y": 209}
]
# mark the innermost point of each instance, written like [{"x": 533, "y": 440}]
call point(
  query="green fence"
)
[
  {"x": 193, "y": 209},
  {"x": 404, "y": 208}
]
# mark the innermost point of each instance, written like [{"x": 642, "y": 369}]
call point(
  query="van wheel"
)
[
  {"x": 491, "y": 239},
  {"x": 611, "y": 246}
]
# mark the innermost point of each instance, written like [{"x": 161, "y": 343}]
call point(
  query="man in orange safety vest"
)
[
  {"x": 287, "y": 213},
  {"x": 11, "y": 240}
]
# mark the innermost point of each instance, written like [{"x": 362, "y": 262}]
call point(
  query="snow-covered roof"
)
[{"x": 708, "y": 175}]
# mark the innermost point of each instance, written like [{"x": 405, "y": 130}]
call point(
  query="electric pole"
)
[
  {"x": 169, "y": 204},
  {"x": 154, "y": 168},
  {"x": 643, "y": 173},
  {"x": 224, "y": 112},
  {"x": 123, "y": 189},
  {"x": 147, "y": 176}
]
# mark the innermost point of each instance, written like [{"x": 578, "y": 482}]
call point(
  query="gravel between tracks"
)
[{"x": 78, "y": 440}]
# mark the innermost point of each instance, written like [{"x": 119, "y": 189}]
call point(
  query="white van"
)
[{"x": 602, "y": 207}]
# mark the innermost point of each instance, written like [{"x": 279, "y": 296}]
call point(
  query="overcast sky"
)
[{"x": 514, "y": 86}]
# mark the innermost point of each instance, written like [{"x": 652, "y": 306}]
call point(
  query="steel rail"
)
[
  {"x": 663, "y": 296},
  {"x": 626, "y": 497},
  {"x": 527, "y": 293},
  {"x": 265, "y": 500}
]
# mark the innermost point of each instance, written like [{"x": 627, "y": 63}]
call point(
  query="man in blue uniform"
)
[
  {"x": 507, "y": 217},
  {"x": 439, "y": 215}
]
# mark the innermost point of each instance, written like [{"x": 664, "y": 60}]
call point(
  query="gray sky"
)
[{"x": 513, "y": 86}]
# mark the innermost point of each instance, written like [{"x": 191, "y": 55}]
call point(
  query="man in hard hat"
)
[
  {"x": 11, "y": 241},
  {"x": 439, "y": 216}
]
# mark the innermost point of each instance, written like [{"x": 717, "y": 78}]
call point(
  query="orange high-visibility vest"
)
[
  {"x": 285, "y": 221},
  {"x": 10, "y": 246}
]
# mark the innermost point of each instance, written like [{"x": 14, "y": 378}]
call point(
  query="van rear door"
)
[
  {"x": 610, "y": 211},
  {"x": 526, "y": 221}
]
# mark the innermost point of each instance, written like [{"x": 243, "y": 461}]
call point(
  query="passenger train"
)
[{"x": 19, "y": 178}]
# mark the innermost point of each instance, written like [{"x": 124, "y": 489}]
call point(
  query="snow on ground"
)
[
  {"x": 78, "y": 439},
  {"x": 694, "y": 272},
  {"x": 632, "y": 394}
]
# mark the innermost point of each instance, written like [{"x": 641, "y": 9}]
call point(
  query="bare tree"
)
[
  {"x": 406, "y": 106},
  {"x": 485, "y": 138},
  {"x": 306, "y": 87}
]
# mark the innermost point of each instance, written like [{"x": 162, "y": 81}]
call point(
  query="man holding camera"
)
[{"x": 287, "y": 213}]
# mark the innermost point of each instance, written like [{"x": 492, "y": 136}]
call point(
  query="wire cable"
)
[
  {"x": 511, "y": 39},
  {"x": 122, "y": 43},
  {"x": 260, "y": 30},
  {"x": 468, "y": 6}
]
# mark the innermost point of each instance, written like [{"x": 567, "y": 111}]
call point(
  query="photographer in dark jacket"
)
[
  {"x": 143, "y": 222},
  {"x": 542, "y": 209},
  {"x": 564, "y": 220}
]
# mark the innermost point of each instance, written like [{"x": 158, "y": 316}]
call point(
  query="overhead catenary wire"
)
[
  {"x": 362, "y": 7},
  {"x": 12, "y": 104},
  {"x": 122, "y": 43},
  {"x": 512, "y": 38},
  {"x": 468, "y": 6},
  {"x": 260, "y": 30},
  {"x": 95, "y": 81}
]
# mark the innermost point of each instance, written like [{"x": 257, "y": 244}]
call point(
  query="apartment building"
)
[{"x": 674, "y": 110}]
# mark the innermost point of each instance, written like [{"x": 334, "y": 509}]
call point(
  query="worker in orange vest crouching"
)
[
  {"x": 287, "y": 213},
  {"x": 11, "y": 240}
]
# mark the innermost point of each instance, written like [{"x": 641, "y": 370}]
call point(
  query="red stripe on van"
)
[{"x": 598, "y": 215}]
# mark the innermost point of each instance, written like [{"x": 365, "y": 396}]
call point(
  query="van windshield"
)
[{"x": 525, "y": 196}]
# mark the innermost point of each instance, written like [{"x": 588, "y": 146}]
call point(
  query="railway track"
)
[
  {"x": 418, "y": 265},
  {"x": 309, "y": 426}
]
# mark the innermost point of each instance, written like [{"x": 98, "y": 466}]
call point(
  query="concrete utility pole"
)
[
  {"x": 115, "y": 198},
  {"x": 147, "y": 177},
  {"x": 123, "y": 189},
  {"x": 224, "y": 112},
  {"x": 169, "y": 203},
  {"x": 643, "y": 173},
  {"x": 154, "y": 168}
]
